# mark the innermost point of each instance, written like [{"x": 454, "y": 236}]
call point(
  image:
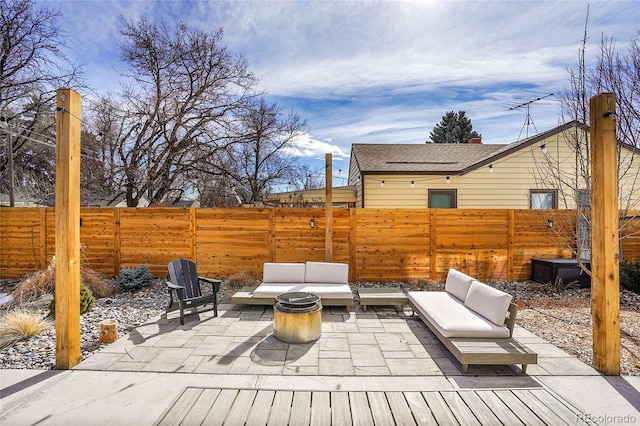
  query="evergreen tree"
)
[{"x": 453, "y": 128}]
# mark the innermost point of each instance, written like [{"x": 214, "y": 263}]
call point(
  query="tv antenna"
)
[{"x": 528, "y": 120}]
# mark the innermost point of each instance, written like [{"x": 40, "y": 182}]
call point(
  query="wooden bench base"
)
[
  {"x": 382, "y": 297},
  {"x": 244, "y": 296},
  {"x": 484, "y": 351}
]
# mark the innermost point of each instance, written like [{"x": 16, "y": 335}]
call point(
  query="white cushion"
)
[
  {"x": 327, "y": 273},
  {"x": 283, "y": 273},
  {"x": 333, "y": 291},
  {"x": 458, "y": 284},
  {"x": 489, "y": 302},
  {"x": 452, "y": 318}
]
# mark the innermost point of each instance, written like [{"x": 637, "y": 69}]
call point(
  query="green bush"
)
[
  {"x": 86, "y": 301},
  {"x": 630, "y": 276},
  {"x": 134, "y": 278}
]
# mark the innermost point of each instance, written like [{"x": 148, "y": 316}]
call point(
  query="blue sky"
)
[{"x": 379, "y": 72}]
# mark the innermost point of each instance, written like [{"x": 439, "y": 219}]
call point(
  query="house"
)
[
  {"x": 342, "y": 197},
  {"x": 538, "y": 172}
]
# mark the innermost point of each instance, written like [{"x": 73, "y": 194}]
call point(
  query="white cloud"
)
[
  {"x": 306, "y": 145},
  {"x": 386, "y": 71}
]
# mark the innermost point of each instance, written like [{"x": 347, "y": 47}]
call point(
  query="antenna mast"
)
[{"x": 528, "y": 120}]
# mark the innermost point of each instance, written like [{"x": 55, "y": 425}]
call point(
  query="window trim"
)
[
  {"x": 554, "y": 197},
  {"x": 452, "y": 192}
]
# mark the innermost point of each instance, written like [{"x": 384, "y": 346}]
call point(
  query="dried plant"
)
[
  {"x": 44, "y": 282},
  {"x": 20, "y": 324}
]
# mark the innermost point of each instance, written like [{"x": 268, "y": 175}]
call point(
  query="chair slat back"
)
[{"x": 183, "y": 272}]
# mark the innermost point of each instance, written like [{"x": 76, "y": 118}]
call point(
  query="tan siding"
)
[{"x": 507, "y": 187}]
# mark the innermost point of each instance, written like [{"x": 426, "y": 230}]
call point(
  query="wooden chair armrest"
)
[
  {"x": 173, "y": 286},
  {"x": 215, "y": 284}
]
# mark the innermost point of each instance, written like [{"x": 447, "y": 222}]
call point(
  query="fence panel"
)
[
  {"x": 22, "y": 241},
  {"x": 154, "y": 237},
  {"x": 391, "y": 244},
  {"x": 379, "y": 244},
  {"x": 232, "y": 240},
  {"x": 474, "y": 241}
]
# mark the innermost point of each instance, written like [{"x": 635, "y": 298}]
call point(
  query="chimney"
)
[{"x": 475, "y": 141}]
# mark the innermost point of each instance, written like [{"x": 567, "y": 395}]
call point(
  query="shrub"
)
[
  {"x": 20, "y": 324},
  {"x": 630, "y": 276},
  {"x": 134, "y": 278},
  {"x": 86, "y": 301}
]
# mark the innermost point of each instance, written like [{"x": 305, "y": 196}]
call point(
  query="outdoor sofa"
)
[
  {"x": 329, "y": 281},
  {"x": 473, "y": 320}
]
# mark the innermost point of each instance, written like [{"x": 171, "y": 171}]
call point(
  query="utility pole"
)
[{"x": 4, "y": 123}]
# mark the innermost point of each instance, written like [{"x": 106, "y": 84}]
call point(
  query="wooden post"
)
[
  {"x": 67, "y": 292},
  {"x": 605, "y": 285},
  {"x": 328, "y": 208}
]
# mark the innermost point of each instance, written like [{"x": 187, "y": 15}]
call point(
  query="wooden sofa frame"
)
[
  {"x": 486, "y": 351},
  {"x": 245, "y": 296}
]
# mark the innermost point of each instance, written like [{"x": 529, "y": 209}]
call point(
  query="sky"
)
[{"x": 379, "y": 71}]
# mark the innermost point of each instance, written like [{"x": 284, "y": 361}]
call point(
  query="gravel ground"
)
[{"x": 560, "y": 317}]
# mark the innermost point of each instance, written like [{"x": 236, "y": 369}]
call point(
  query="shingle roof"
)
[
  {"x": 431, "y": 158},
  {"x": 428, "y": 157}
]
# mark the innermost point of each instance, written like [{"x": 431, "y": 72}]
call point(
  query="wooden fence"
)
[{"x": 379, "y": 245}]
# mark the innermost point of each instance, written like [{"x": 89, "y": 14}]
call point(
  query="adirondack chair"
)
[{"x": 184, "y": 288}]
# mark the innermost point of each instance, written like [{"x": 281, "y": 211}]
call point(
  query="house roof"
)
[{"x": 432, "y": 158}]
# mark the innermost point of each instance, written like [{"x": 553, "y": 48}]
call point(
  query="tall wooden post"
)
[
  {"x": 328, "y": 208},
  {"x": 605, "y": 285},
  {"x": 67, "y": 293}
]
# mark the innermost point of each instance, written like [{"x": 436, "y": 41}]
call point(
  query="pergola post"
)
[
  {"x": 328, "y": 208},
  {"x": 67, "y": 293},
  {"x": 605, "y": 283}
]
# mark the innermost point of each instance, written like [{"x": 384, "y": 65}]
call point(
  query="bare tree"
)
[
  {"x": 259, "y": 160},
  {"x": 617, "y": 72},
  {"x": 182, "y": 95},
  {"x": 32, "y": 67}
]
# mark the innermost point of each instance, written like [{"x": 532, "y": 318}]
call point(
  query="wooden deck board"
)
[
  {"x": 440, "y": 409},
  {"x": 221, "y": 406},
  {"x": 479, "y": 408},
  {"x": 301, "y": 409},
  {"x": 522, "y": 411},
  {"x": 320, "y": 409},
  {"x": 281, "y": 410},
  {"x": 499, "y": 408},
  {"x": 360, "y": 411},
  {"x": 400, "y": 408},
  {"x": 380, "y": 410},
  {"x": 212, "y": 406},
  {"x": 340, "y": 410},
  {"x": 421, "y": 411},
  {"x": 459, "y": 408},
  {"x": 182, "y": 407},
  {"x": 241, "y": 407},
  {"x": 261, "y": 409},
  {"x": 201, "y": 407}
]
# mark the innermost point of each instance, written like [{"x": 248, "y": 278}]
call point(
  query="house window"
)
[
  {"x": 543, "y": 199},
  {"x": 443, "y": 198}
]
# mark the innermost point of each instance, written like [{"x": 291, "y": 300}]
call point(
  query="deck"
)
[{"x": 452, "y": 407}]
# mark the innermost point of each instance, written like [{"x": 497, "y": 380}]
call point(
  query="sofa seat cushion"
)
[
  {"x": 489, "y": 302},
  {"x": 452, "y": 318},
  {"x": 283, "y": 273},
  {"x": 333, "y": 291},
  {"x": 326, "y": 273}
]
